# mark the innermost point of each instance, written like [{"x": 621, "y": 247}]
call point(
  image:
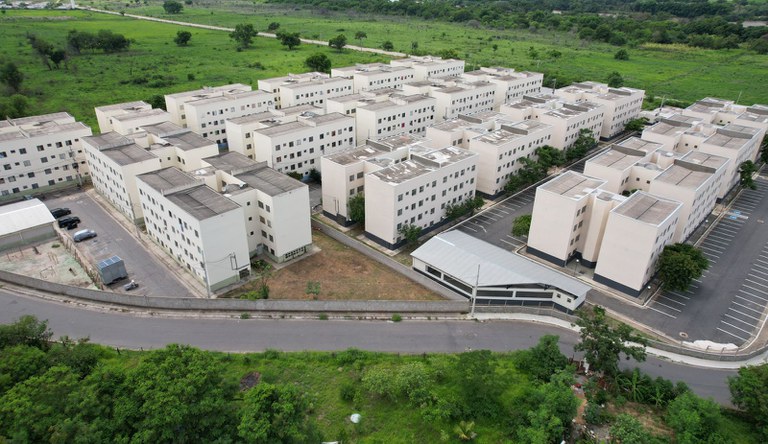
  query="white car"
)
[{"x": 83, "y": 235}]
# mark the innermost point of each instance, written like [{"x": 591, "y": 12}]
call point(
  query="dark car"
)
[
  {"x": 58, "y": 212},
  {"x": 71, "y": 226},
  {"x": 64, "y": 221}
]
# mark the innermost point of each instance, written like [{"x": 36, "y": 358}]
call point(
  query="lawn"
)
[
  {"x": 674, "y": 71},
  {"x": 97, "y": 79}
]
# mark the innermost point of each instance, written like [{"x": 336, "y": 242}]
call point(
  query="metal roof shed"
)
[
  {"x": 25, "y": 223},
  {"x": 454, "y": 258}
]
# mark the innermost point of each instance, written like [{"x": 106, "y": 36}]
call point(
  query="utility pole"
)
[{"x": 474, "y": 292}]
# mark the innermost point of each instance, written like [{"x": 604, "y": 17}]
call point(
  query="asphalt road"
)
[
  {"x": 235, "y": 335},
  {"x": 153, "y": 276}
]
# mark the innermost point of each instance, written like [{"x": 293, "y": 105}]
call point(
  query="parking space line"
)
[
  {"x": 744, "y": 314},
  {"x": 715, "y": 249},
  {"x": 758, "y": 277},
  {"x": 667, "y": 306},
  {"x": 747, "y": 308},
  {"x": 718, "y": 241},
  {"x": 759, "y": 313},
  {"x": 510, "y": 243},
  {"x": 735, "y": 319},
  {"x": 753, "y": 295},
  {"x": 764, "y": 266},
  {"x": 755, "y": 289},
  {"x": 672, "y": 300},
  {"x": 678, "y": 294},
  {"x": 748, "y": 301},
  {"x": 664, "y": 313},
  {"x": 756, "y": 283},
  {"x": 734, "y": 335},
  {"x": 720, "y": 237},
  {"x": 469, "y": 228},
  {"x": 737, "y": 328}
]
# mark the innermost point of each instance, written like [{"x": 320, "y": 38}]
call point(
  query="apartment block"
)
[
  {"x": 174, "y": 145},
  {"x": 311, "y": 88},
  {"x": 616, "y": 165},
  {"x": 373, "y": 76},
  {"x": 240, "y": 130},
  {"x": 417, "y": 192},
  {"x": 455, "y": 96},
  {"x": 276, "y": 207},
  {"x": 399, "y": 114},
  {"x": 297, "y": 146},
  {"x": 560, "y": 212},
  {"x": 635, "y": 235},
  {"x": 174, "y": 103},
  {"x": 457, "y": 131},
  {"x": 725, "y": 112},
  {"x": 620, "y": 104},
  {"x": 41, "y": 151},
  {"x": 501, "y": 148},
  {"x": 131, "y": 122},
  {"x": 114, "y": 161},
  {"x": 104, "y": 113},
  {"x": 198, "y": 227},
  {"x": 511, "y": 85},
  {"x": 566, "y": 118},
  {"x": 344, "y": 172},
  {"x": 426, "y": 67}
]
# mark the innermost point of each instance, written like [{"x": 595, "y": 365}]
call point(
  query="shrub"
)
[
  {"x": 322, "y": 317},
  {"x": 396, "y": 318},
  {"x": 347, "y": 392},
  {"x": 245, "y": 316}
]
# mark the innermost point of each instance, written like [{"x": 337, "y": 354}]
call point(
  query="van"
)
[
  {"x": 58, "y": 212},
  {"x": 83, "y": 235}
]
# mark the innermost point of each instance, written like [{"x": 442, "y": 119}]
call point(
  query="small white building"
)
[
  {"x": 511, "y": 85},
  {"x": 399, "y": 114},
  {"x": 41, "y": 151},
  {"x": 426, "y": 67},
  {"x": 198, "y": 227},
  {"x": 104, "y": 113},
  {"x": 311, "y": 88},
  {"x": 620, "y": 104},
  {"x": 297, "y": 146},
  {"x": 130, "y": 121},
  {"x": 373, "y": 76},
  {"x": 417, "y": 192},
  {"x": 455, "y": 96}
]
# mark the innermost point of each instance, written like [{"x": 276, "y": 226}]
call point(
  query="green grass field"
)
[{"x": 674, "y": 71}]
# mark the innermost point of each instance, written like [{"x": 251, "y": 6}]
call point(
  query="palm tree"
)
[{"x": 464, "y": 430}]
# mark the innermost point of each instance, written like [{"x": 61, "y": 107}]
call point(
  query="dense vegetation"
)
[{"x": 73, "y": 391}]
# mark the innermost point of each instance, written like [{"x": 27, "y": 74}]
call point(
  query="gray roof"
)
[
  {"x": 107, "y": 140},
  {"x": 189, "y": 141},
  {"x": 269, "y": 181},
  {"x": 23, "y": 215},
  {"x": 572, "y": 184},
  {"x": 128, "y": 154},
  {"x": 167, "y": 178},
  {"x": 201, "y": 202},
  {"x": 459, "y": 255},
  {"x": 229, "y": 161},
  {"x": 647, "y": 208}
]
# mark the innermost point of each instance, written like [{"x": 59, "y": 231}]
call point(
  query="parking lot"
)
[
  {"x": 152, "y": 275},
  {"x": 728, "y": 303}
]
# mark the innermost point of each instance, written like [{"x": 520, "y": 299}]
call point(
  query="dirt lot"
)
[
  {"x": 49, "y": 261},
  {"x": 342, "y": 274}
]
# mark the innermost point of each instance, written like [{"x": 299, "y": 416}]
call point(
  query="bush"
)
[
  {"x": 347, "y": 392},
  {"x": 322, "y": 317},
  {"x": 396, "y": 318},
  {"x": 245, "y": 316}
]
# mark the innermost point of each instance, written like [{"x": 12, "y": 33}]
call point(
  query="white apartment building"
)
[
  {"x": 103, "y": 113},
  {"x": 174, "y": 145},
  {"x": 500, "y": 150},
  {"x": 373, "y": 76},
  {"x": 297, "y": 146},
  {"x": 174, "y": 103},
  {"x": 276, "y": 207},
  {"x": 313, "y": 88},
  {"x": 426, "y": 67},
  {"x": 417, "y": 192},
  {"x": 724, "y": 112},
  {"x": 114, "y": 161},
  {"x": 455, "y": 96},
  {"x": 344, "y": 172},
  {"x": 636, "y": 233},
  {"x": 457, "y": 131},
  {"x": 198, "y": 227},
  {"x": 566, "y": 118},
  {"x": 511, "y": 85},
  {"x": 694, "y": 181},
  {"x": 620, "y": 104},
  {"x": 560, "y": 212},
  {"x": 130, "y": 122},
  {"x": 41, "y": 151},
  {"x": 616, "y": 166},
  {"x": 399, "y": 114}
]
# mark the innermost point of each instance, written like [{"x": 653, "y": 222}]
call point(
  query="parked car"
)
[
  {"x": 71, "y": 226},
  {"x": 130, "y": 285},
  {"x": 64, "y": 221},
  {"x": 83, "y": 235},
  {"x": 59, "y": 212}
]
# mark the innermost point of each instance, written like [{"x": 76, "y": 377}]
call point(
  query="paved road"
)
[
  {"x": 154, "y": 278},
  {"x": 728, "y": 303},
  {"x": 123, "y": 330}
]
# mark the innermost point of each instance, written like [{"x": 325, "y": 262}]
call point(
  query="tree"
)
[
  {"x": 19, "y": 363},
  {"x": 177, "y": 394},
  {"x": 636, "y": 124},
  {"x": 615, "y": 80},
  {"x": 581, "y": 146},
  {"x": 289, "y": 39},
  {"x": 628, "y": 430},
  {"x": 603, "y": 344},
  {"x": 749, "y": 394},
  {"x": 621, "y": 54},
  {"x": 14, "y": 106},
  {"x": 465, "y": 430},
  {"x": 274, "y": 26},
  {"x": 264, "y": 270},
  {"x": 411, "y": 233},
  {"x": 356, "y": 208},
  {"x": 679, "y": 265},
  {"x": 57, "y": 56},
  {"x": 110, "y": 42},
  {"x": 338, "y": 42},
  {"x": 318, "y": 62},
  {"x": 360, "y": 35},
  {"x": 521, "y": 225},
  {"x": 479, "y": 385},
  {"x": 544, "y": 359},
  {"x": 157, "y": 101},
  {"x": 172, "y": 7},
  {"x": 26, "y": 331},
  {"x": 243, "y": 35},
  {"x": 548, "y": 156},
  {"x": 182, "y": 38},
  {"x": 746, "y": 170},
  {"x": 11, "y": 76},
  {"x": 694, "y": 420},
  {"x": 276, "y": 413},
  {"x": 387, "y": 46},
  {"x": 414, "y": 46},
  {"x": 551, "y": 408}
]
